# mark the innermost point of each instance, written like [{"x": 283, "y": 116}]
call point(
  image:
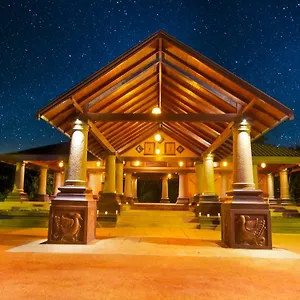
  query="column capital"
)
[
  {"x": 209, "y": 156},
  {"x": 80, "y": 125},
  {"x": 242, "y": 124}
]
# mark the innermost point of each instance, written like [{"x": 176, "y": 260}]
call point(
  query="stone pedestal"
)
[
  {"x": 209, "y": 204},
  {"x": 73, "y": 212},
  {"x": 41, "y": 198},
  {"x": 246, "y": 221},
  {"x": 72, "y": 218},
  {"x": 109, "y": 203}
]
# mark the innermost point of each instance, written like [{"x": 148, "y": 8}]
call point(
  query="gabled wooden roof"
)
[{"x": 163, "y": 71}]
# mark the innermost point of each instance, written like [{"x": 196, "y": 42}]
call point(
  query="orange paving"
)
[{"x": 94, "y": 276}]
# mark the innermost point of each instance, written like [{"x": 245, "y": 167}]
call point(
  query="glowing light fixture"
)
[
  {"x": 156, "y": 111},
  {"x": 215, "y": 164},
  {"x": 157, "y": 137},
  {"x": 98, "y": 163},
  {"x": 61, "y": 164},
  {"x": 181, "y": 164},
  {"x": 137, "y": 163},
  {"x": 157, "y": 151},
  {"x": 225, "y": 163},
  {"x": 169, "y": 175},
  {"x": 263, "y": 165}
]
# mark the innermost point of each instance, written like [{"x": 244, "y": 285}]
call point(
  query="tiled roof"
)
[{"x": 270, "y": 150}]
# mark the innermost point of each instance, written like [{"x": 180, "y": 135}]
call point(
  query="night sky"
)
[{"x": 46, "y": 47}]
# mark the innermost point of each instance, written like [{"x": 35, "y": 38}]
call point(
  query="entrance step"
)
[
  {"x": 159, "y": 206},
  {"x": 158, "y": 219}
]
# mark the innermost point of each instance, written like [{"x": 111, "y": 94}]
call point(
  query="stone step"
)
[{"x": 159, "y": 206}]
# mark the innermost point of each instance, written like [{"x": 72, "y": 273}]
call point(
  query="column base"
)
[
  {"x": 16, "y": 196},
  {"x": 273, "y": 201},
  {"x": 286, "y": 202},
  {"x": 208, "y": 204},
  {"x": 183, "y": 201},
  {"x": 164, "y": 200},
  {"x": 109, "y": 203},
  {"x": 246, "y": 221},
  {"x": 128, "y": 200},
  {"x": 41, "y": 198},
  {"x": 72, "y": 218}
]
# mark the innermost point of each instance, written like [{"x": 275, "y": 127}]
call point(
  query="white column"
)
[
  {"x": 19, "y": 177},
  {"x": 270, "y": 181},
  {"x": 95, "y": 182},
  {"x": 224, "y": 184},
  {"x": 42, "y": 181},
  {"x": 242, "y": 157},
  {"x": 284, "y": 185},
  {"x": 58, "y": 177},
  {"x": 209, "y": 175},
  {"x": 76, "y": 174},
  {"x": 199, "y": 169},
  {"x": 183, "y": 197},
  {"x": 110, "y": 174},
  {"x": 134, "y": 187},
  {"x": 164, "y": 189},
  {"x": 119, "y": 178},
  {"x": 128, "y": 186}
]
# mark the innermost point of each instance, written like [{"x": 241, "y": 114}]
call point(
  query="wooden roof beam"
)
[
  {"x": 141, "y": 117},
  {"x": 227, "y": 132},
  {"x": 96, "y": 133},
  {"x": 202, "y": 83}
]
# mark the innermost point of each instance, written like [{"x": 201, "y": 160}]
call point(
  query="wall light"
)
[
  {"x": 98, "y": 163},
  {"x": 181, "y": 164},
  {"x": 263, "y": 165},
  {"x": 61, "y": 164},
  {"x": 225, "y": 163},
  {"x": 157, "y": 151}
]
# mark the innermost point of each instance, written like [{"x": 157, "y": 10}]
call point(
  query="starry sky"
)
[{"x": 47, "y": 46}]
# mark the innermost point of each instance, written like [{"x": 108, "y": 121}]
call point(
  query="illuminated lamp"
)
[
  {"x": 157, "y": 137},
  {"x": 137, "y": 163},
  {"x": 156, "y": 111},
  {"x": 169, "y": 175},
  {"x": 157, "y": 151},
  {"x": 181, "y": 164},
  {"x": 98, "y": 163},
  {"x": 263, "y": 165},
  {"x": 61, "y": 164},
  {"x": 225, "y": 163},
  {"x": 215, "y": 164}
]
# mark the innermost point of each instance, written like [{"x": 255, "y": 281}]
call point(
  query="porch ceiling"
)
[{"x": 163, "y": 71}]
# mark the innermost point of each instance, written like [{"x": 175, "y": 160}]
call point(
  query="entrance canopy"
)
[{"x": 199, "y": 101}]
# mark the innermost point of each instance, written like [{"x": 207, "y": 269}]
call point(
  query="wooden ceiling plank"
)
[
  {"x": 122, "y": 83},
  {"x": 133, "y": 88},
  {"x": 182, "y": 140},
  {"x": 196, "y": 72},
  {"x": 137, "y": 141},
  {"x": 134, "y": 135},
  {"x": 221, "y": 96}
]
